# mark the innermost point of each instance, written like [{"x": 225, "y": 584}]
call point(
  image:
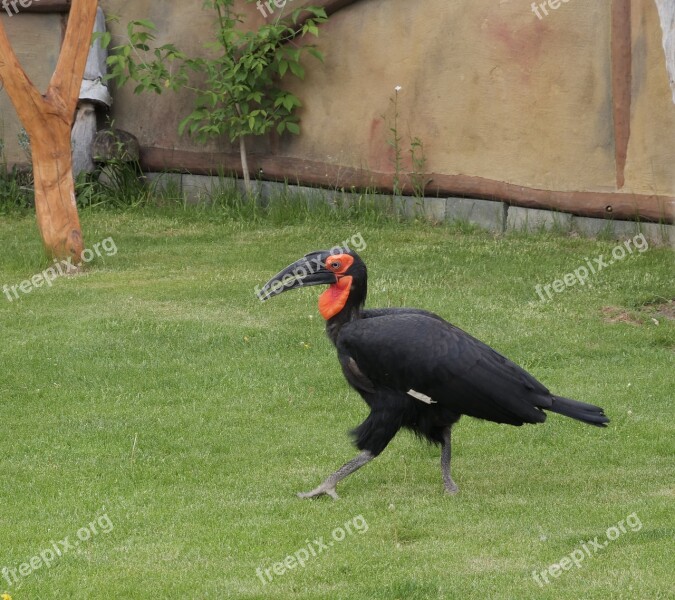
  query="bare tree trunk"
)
[
  {"x": 55, "y": 206},
  {"x": 244, "y": 164},
  {"x": 48, "y": 120},
  {"x": 244, "y": 159}
]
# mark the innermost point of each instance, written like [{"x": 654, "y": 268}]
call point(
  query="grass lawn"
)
[{"x": 157, "y": 420}]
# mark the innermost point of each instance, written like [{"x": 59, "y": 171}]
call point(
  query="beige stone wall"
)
[
  {"x": 650, "y": 168},
  {"x": 154, "y": 119},
  {"x": 490, "y": 89},
  {"x": 36, "y": 40}
]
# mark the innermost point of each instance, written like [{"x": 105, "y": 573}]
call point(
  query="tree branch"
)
[{"x": 64, "y": 87}]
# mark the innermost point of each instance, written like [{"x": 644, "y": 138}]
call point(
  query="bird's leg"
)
[
  {"x": 328, "y": 486},
  {"x": 450, "y": 485}
]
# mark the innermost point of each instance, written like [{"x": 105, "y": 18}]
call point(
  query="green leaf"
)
[
  {"x": 293, "y": 127},
  {"x": 297, "y": 70},
  {"x": 315, "y": 53},
  {"x": 183, "y": 124},
  {"x": 145, "y": 23},
  {"x": 289, "y": 102},
  {"x": 104, "y": 38}
]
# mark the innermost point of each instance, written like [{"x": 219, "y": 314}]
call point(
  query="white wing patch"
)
[{"x": 421, "y": 397}]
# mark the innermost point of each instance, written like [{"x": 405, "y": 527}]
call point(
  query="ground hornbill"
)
[{"x": 413, "y": 369}]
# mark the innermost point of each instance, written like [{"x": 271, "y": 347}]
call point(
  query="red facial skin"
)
[{"x": 333, "y": 300}]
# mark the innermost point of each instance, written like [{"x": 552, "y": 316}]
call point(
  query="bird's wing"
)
[
  {"x": 433, "y": 361},
  {"x": 371, "y": 313}
]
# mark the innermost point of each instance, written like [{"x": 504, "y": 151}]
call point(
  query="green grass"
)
[{"x": 156, "y": 390}]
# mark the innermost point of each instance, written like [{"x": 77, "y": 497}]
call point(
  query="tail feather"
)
[{"x": 588, "y": 413}]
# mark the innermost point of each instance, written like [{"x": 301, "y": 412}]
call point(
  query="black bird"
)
[{"x": 414, "y": 369}]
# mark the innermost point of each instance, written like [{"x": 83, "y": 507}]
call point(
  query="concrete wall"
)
[{"x": 494, "y": 216}]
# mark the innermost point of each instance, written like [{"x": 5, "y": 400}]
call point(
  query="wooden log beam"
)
[
  {"x": 330, "y": 6},
  {"x": 46, "y": 6},
  {"x": 304, "y": 172}
]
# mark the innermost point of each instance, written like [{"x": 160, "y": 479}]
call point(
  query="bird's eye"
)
[{"x": 335, "y": 265}]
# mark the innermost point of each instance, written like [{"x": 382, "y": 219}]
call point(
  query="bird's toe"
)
[
  {"x": 451, "y": 489},
  {"x": 320, "y": 491}
]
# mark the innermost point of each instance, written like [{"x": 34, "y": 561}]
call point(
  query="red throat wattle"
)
[{"x": 333, "y": 300}]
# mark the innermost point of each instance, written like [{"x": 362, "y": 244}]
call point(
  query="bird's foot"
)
[
  {"x": 451, "y": 488},
  {"x": 329, "y": 490}
]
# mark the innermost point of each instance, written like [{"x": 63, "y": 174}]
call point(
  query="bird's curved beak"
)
[{"x": 309, "y": 270}]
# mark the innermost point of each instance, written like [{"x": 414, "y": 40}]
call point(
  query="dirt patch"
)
[
  {"x": 614, "y": 314},
  {"x": 653, "y": 312},
  {"x": 665, "y": 310}
]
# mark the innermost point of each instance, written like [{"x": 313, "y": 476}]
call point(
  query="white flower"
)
[{"x": 398, "y": 88}]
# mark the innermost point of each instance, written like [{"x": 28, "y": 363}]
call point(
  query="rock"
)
[{"x": 115, "y": 145}]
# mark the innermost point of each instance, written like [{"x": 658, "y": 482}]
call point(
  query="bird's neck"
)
[
  {"x": 342, "y": 303},
  {"x": 346, "y": 315}
]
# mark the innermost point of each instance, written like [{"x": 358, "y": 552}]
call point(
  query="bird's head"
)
[{"x": 342, "y": 270}]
